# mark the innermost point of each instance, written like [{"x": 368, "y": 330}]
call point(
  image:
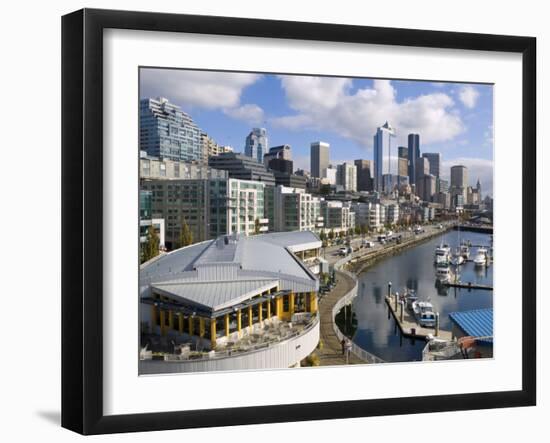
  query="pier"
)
[
  {"x": 468, "y": 285},
  {"x": 407, "y": 322}
]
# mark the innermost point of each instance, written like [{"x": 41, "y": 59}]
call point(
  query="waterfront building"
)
[
  {"x": 282, "y": 152},
  {"x": 392, "y": 213},
  {"x": 365, "y": 181},
  {"x": 385, "y": 160},
  {"x": 346, "y": 176},
  {"x": 229, "y": 305},
  {"x": 337, "y": 215},
  {"x": 146, "y": 220},
  {"x": 476, "y": 324},
  {"x": 413, "y": 155},
  {"x": 256, "y": 144},
  {"x": 153, "y": 167},
  {"x": 296, "y": 210},
  {"x": 210, "y": 207},
  {"x": 242, "y": 167},
  {"x": 434, "y": 159},
  {"x": 319, "y": 158},
  {"x": 165, "y": 131}
]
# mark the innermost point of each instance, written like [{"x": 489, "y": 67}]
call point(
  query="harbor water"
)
[{"x": 377, "y": 331}]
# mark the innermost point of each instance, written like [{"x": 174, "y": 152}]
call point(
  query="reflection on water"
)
[{"x": 377, "y": 331}]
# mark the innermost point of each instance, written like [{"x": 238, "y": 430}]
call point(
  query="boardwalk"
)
[{"x": 331, "y": 354}]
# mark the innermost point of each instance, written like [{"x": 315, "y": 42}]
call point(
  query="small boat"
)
[
  {"x": 465, "y": 251},
  {"x": 457, "y": 258},
  {"x": 409, "y": 297},
  {"x": 423, "y": 311},
  {"x": 442, "y": 271},
  {"x": 481, "y": 257}
]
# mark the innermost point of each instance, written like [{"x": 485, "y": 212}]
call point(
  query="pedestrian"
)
[{"x": 343, "y": 343}]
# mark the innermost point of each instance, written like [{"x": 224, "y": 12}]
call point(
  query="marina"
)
[{"x": 392, "y": 336}]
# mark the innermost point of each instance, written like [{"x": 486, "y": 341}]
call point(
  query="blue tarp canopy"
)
[{"x": 476, "y": 323}]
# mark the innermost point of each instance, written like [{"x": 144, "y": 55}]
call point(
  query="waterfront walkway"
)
[{"x": 331, "y": 354}]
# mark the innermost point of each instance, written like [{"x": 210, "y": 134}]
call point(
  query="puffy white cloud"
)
[
  {"x": 325, "y": 103},
  {"x": 248, "y": 113},
  {"x": 203, "y": 89},
  {"x": 478, "y": 168},
  {"x": 468, "y": 95}
]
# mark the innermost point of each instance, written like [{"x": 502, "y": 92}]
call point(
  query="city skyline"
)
[{"x": 453, "y": 119}]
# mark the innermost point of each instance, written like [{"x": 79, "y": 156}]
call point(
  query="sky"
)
[{"x": 454, "y": 119}]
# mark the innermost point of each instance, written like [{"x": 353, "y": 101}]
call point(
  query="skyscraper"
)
[
  {"x": 319, "y": 158},
  {"x": 403, "y": 161},
  {"x": 459, "y": 182},
  {"x": 422, "y": 168},
  {"x": 414, "y": 153},
  {"x": 435, "y": 162},
  {"x": 256, "y": 144},
  {"x": 165, "y": 131},
  {"x": 364, "y": 175},
  {"x": 384, "y": 162}
]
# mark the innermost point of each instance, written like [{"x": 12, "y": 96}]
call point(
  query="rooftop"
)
[
  {"x": 221, "y": 273},
  {"x": 475, "y": 323}
]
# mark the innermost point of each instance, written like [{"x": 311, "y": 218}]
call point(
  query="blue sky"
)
[{"x": 454, "y": 119}]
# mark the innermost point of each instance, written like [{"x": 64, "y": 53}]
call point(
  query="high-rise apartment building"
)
[
  {"x": 385, "y": 159},
  {"x": 337, "y": 215},
  {"x": 364, "y": 175},
  {"x": 256, "y": 144},
  {"x": 413, "y": 154},
  {"x": 346, "y": 176},
  {"x": 165, "y": 131},
  {"x": 295, "y": 210},
  {"x": 210, "y": 207},
  {"x": 319, "y": 157},
  {"x": 435, "y": 162}
]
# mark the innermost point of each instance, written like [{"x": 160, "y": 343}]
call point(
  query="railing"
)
[
  {"x": 343, "y": 301},
  {"x": 283, "y": 353}
]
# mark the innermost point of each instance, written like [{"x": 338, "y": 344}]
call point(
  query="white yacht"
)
[
  {"x": 442, "y": 253},
  {"x": 481, "y": 257},
  {"x": 465, "y": 251},
  {"x": 423, "y": 311}
]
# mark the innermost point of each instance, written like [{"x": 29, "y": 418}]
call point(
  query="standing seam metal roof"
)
[{"x": 475, "y": 323}]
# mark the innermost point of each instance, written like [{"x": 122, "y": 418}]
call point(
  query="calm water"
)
[{"x": 414, "y": 269}]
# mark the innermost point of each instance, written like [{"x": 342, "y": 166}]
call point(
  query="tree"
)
[
  {"x": 256, "y": 226},
  {"x": 357, "y": 229},
  {"x": 186, "y": 236},
  {"x": 322, "y": 235},
  {"x": 331, "y": 234},
  {"x": 151, "y": 247}
]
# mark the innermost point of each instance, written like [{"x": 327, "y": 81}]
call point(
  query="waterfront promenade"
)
[{"x": 331, "y": 352}]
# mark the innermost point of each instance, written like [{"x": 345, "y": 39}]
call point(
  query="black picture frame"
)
[{"x": 82, "y": 231}]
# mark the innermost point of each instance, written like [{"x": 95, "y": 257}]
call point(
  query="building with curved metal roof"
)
[{"x": 231, "y": 296}]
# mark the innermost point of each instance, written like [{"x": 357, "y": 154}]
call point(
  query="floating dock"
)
[
  {"x": 409, "y": 327},
  {"x": 468, "y": 285}
]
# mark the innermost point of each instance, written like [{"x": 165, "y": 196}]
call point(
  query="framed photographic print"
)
[{"x": 269, "y": 221}]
